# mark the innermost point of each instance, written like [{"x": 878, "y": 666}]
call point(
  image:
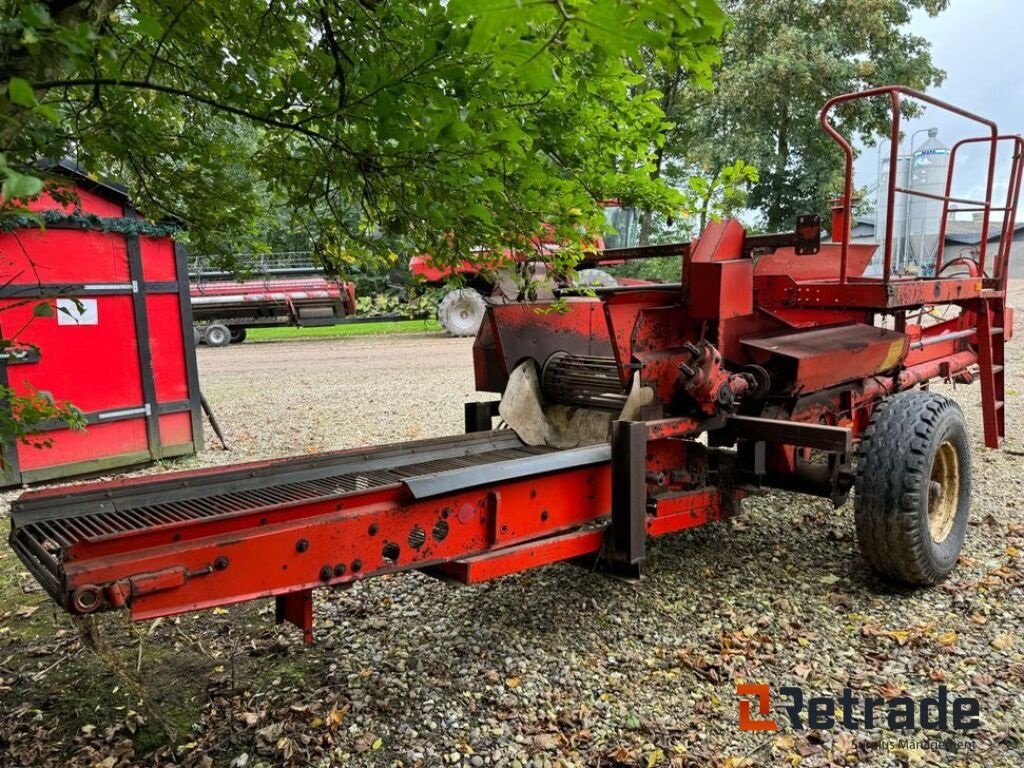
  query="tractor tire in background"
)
[
  {"x": 913, "y": 488},
  {"x": 461, "y": 312},
  {"x": 594, "y": 278},
  {"x": 237, "y": 335},
  {"x": 197, "y": 334},
  {"x": 217, "y": 335}
]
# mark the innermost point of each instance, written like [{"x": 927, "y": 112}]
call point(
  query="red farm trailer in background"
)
[
  {"x": 118, "y": 343},
  {"x": 775, "y": 362},
  {"x": 223, "y": 309}
]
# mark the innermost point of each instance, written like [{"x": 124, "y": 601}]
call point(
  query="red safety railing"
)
[
  {"x": 895, "y": 94},
  {"x": 1009, "y": 210}
]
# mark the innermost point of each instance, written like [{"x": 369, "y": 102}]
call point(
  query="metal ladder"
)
[{"x": 992, "y": 368}]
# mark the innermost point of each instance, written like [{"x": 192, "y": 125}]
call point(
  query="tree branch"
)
[{"x": 207, "y": 100}]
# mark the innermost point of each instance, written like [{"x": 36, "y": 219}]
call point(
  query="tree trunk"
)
[
  {"x": 668, "y": 98},
  {"x": 705, "y": 207},
  {"x": 777, "y": 218}
]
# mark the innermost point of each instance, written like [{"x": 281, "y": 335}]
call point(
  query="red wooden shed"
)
[{"x": 119, "y": 346}]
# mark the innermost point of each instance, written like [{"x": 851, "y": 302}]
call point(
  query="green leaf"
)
[
  {"x": 480, "y": 213},
  {"x": 150, "y": 27},
  {"x": 35, "y": 15},
  {"x": 20, "y": 185},
  {"x": 48, "y": 112},
  {"x": 43, "y": 309},
  {"x": 21, "y": 93}
]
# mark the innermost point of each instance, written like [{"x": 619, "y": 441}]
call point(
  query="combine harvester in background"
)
[
  {"x": 774, "y": 363},
  {"x": 287, "y": 289},
  {"x": 461, "y": 310}
]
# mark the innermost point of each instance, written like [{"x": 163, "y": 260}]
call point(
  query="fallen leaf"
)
[
  {"x": 270, "y": 733},
  {"x": 1003, "y": 642},
  {"x": 947, "y": 639},
  {"x": 843, "y": 743},
  {"x": 548, "y": 741},
  {"x": 840, "y": 600},
  {"x": 784, "y": 742},
  {"x": 622, "y": 755},
  {"x": 286, "y": 746},
  {"x": 512, "y": 682},
  {"x": 889, "y": 690},
  {"x": 335, "y": 716}
]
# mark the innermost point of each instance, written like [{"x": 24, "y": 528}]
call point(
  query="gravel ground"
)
[{"x": 553, "y": 667}]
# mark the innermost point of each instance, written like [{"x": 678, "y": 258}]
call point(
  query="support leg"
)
[
  {"x": 296, "y": 608},
  {"x": 479, "y": 416},
  {"x": 627, "y": 535}
]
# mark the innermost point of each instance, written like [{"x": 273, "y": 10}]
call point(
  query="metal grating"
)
[
  {"x": 56, "y": 533},
  {"x": 45, "y": 524}
]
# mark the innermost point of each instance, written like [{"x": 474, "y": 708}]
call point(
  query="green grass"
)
[{"x": 383, "y": 328}]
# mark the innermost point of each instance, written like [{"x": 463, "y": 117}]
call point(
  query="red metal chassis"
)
[{"x": 809, "y": 322}]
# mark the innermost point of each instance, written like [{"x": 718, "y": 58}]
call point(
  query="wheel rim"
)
[
  {"x": 944, "y": 492},
  {"x": 464, "y": 315}
]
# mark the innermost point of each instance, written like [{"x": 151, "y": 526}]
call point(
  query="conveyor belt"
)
[{"x": 45, "y": 524}]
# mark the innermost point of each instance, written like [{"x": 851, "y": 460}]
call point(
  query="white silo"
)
[
  {"x": 899, "y": 212},
  {"x": 929, "y": 165}
]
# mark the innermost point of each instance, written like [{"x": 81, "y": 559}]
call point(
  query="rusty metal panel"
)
[
  {"x": 821, "y": 358},
  {"x": 867, "y": 293},
  {"x": 721, "y": 289},
  {"x": 821, "y": 266},
  {"x": 512, "y": 333}
]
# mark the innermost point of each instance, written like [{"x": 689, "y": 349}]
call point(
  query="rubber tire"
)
[
  {"x": 461, "y": 312},
  {"x": 594, "y": 278},
  {"x": 197, "y": 335},
  {"x": 894, "y": 469},
  {"x": 217, "y": 335},
  {"x": 237, "y": 334}
]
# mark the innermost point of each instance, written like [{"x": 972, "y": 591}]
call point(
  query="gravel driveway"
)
[{"x": 556, "y": 666}]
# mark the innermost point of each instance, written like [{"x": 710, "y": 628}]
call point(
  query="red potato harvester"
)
[{"x": 646, "y": 410}]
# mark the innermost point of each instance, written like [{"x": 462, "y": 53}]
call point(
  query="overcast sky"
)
[{"x": 977, "y": 43}]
